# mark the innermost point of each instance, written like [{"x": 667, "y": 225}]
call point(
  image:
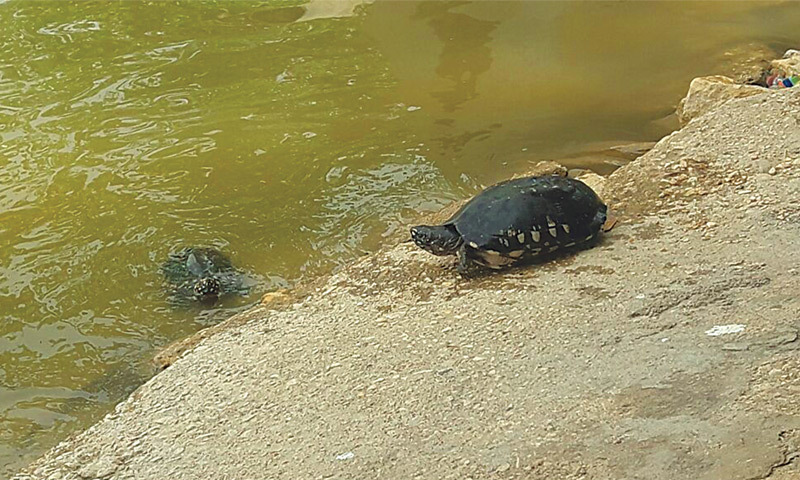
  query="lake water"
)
[{"x": 293, "y": 136}]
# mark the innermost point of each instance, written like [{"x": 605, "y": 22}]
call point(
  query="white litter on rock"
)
[
  {"x": 345, "y": 456},
  {"x": 718, "y": 330}
]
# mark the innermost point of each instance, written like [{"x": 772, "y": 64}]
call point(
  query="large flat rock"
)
[{"x": 605, "y": 364}]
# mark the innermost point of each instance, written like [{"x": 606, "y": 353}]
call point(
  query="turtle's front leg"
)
[{"x": 466, "y": 267}]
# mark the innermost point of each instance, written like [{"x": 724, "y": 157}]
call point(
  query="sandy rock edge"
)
[{"x": 682, "y": 181}]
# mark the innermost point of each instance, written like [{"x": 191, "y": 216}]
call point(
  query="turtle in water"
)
[
  {"x": 202, "y": 274},
  {"x": 516, "y": 220}
]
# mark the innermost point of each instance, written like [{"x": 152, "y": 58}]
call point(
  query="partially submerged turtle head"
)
[
  {"x": 207, "y": 288},
  {"x": 438, "y": 240}
]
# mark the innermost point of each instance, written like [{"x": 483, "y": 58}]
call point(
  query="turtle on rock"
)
[
  {"x": 203, "y": 275},
  {"x": 516, "y": 220}
]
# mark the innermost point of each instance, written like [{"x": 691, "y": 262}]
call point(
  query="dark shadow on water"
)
[{"x": 465, "y": 51}]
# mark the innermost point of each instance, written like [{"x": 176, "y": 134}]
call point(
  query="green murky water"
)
[{"x": 291, "y": 135}]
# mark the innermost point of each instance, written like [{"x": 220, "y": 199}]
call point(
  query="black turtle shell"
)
[
  {"x": 531, "y": 214},
  {"x": 184, "y": 268}
]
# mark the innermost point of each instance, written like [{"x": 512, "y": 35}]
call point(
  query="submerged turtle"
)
[
  {"x": 202, "y": 274},
  {"x": 516, "y": 220}
]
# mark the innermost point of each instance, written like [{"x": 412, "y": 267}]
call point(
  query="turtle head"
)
[
  {"x": 207, "y": 288},
  {"x": 438, "y": 240}
]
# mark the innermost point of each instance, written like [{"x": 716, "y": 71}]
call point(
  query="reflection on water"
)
[
  {"x": 465, "y": 50},
  {"x": 292, "y": 136}
]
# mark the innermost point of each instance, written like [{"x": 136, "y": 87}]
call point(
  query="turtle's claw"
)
[{"x": 611, "y": 222}]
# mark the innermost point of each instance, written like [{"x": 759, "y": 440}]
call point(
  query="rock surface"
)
[
  {"x": 708, "y": 93},
  {"x": 598, "y": 365},
  {"x": 595, "y": 182},
  {"x": 789, "y": 64},
  {"x": 548, "y": 167}
]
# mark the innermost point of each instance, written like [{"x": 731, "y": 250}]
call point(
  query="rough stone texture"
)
[
  {"x": 593, "y": 366},
  {"x": 708, "y": 93},
  {"x": 595, "y": 182},
  {"x": 548, "y": 168},
  {"x": 167, "y": 355},
  {"x": 789, "y": 64}
]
